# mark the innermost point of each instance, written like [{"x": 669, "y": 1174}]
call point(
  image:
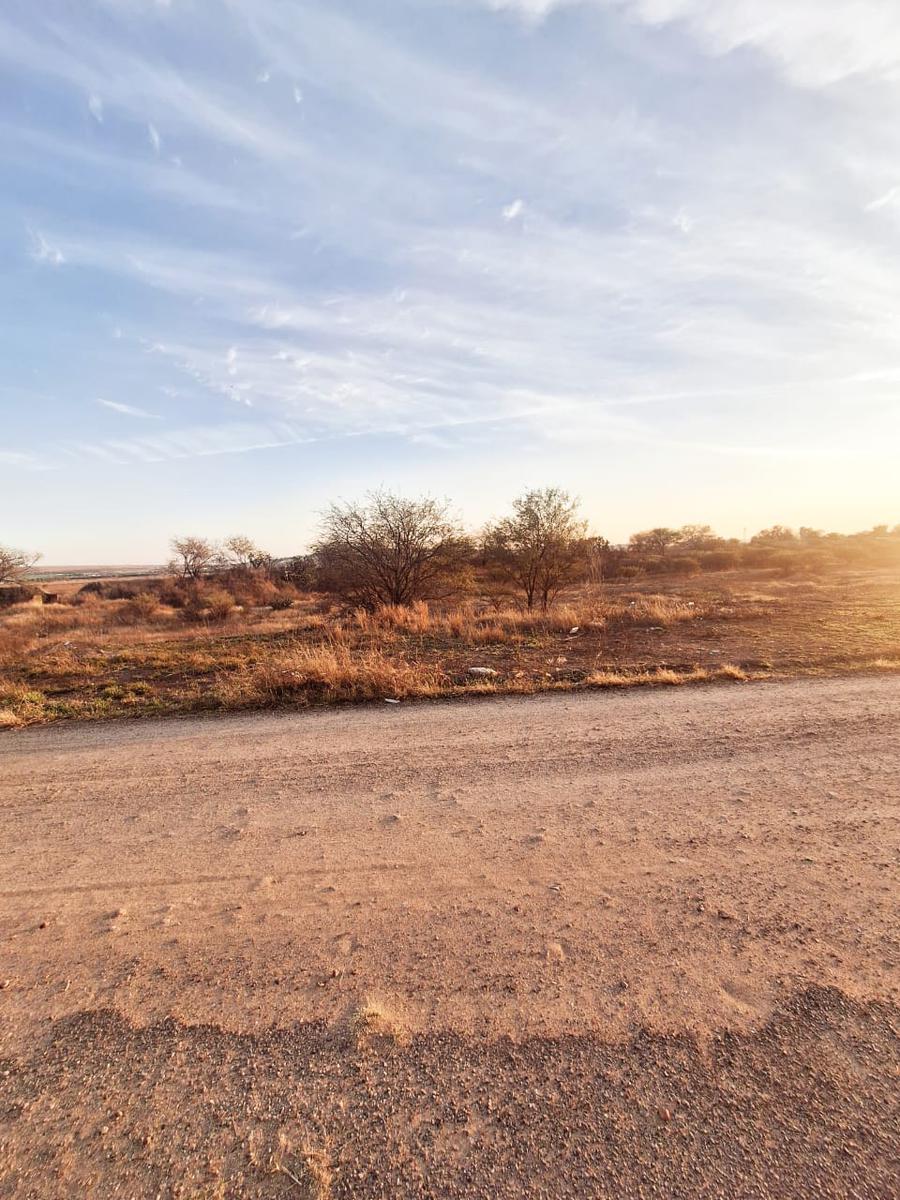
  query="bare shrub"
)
[
  {"x": 390, "y": 550},
  {"x": 241, "y": 551},
  {"x": 15, "y": 564},
  {"x": 193, "y": 557}
]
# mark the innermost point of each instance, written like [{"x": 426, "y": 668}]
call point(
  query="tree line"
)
[{"x": 391, "y": 549}]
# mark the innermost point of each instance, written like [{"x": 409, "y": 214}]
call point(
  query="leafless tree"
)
[
  {"x": 542, "y": 547},
  {"x": 15, "y": 564},
  {"x": 193, "y": 557},
  {"x": 389, "y": 549},
  {"x": 241, "y": 551}
]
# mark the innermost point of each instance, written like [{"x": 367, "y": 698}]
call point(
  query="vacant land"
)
[
  {"x": 618, "y": 944},
  {"x": 106, "y": 657}
]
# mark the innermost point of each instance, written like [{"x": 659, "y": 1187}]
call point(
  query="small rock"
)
[
  {"x": 664, "y": 1114},
  {"x": 485, "y": 671}
]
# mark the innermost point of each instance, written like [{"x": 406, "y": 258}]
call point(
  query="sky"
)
[{"x": 256, "y": 255}]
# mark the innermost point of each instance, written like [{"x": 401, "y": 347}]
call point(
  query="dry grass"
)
[
  {"x": 309, "y": 1169},
  {"x": 107, "y": 657},
  {"x": 376, "y": 1021},
  {"x": 328, "y": 672},
  {"x": 474, "y": 626},
  {"x": 9, "y": 719},
  {"x": 20, "y": 704},
  {"x": 666, "y": 677},
  {"x": 657, "y": 610}
]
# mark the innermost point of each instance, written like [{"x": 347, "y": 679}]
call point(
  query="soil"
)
[{"x": 623, "y": 944}]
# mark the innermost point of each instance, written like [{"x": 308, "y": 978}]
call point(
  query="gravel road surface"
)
[{"x": 629, "y": 944}]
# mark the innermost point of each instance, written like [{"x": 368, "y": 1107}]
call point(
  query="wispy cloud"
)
[
  {"x": 24, "y": 461},
  {"x": 128, "y": 410},
  {"x": 42, "y": 251},
  {"x": 362, "y": 226},
  {"x": 815, "y": 42},
  {"x": 888, "y": 199}
]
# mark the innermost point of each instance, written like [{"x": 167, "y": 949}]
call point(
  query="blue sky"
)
[{"x": 258, "y": 254}]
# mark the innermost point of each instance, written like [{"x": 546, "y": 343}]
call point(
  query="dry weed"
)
[
  {"x": 374, "y": 1020},
  {"x": 309, "y": 1169},
  {"x": 8, "y": 719},
  {"x": 329, "y": 671},
  {"x": 660, "y": 611}
]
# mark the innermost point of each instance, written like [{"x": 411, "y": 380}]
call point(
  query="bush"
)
[
  {"x": 719, "y": 560},
  {"x": 284, "y": 598},
  {"x": 760, "y": 556},
  {"x": 206, "y": 603},
  {"x": 110, "y": 589},
  {"x": 653, "y": 564},
  {"x": 218, "y": 603},
  {"x": 300, "y": 571},
  {"x": 679, "y": 564},
  {"x": 141, "y": 608}
]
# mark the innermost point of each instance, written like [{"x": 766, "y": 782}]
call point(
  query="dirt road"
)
[{"x": 631, "y": 944}]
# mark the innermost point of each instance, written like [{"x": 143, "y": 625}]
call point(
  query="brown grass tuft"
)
[
  {"x": 329, "y": 672},
  {"x": 309, "y": 1170},
  {"x": 730, "y": 671},
  {"x": 661, "y": 611},
  {"x": 375, "y": 1020},
  {"x": 8, "y": 719}
]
